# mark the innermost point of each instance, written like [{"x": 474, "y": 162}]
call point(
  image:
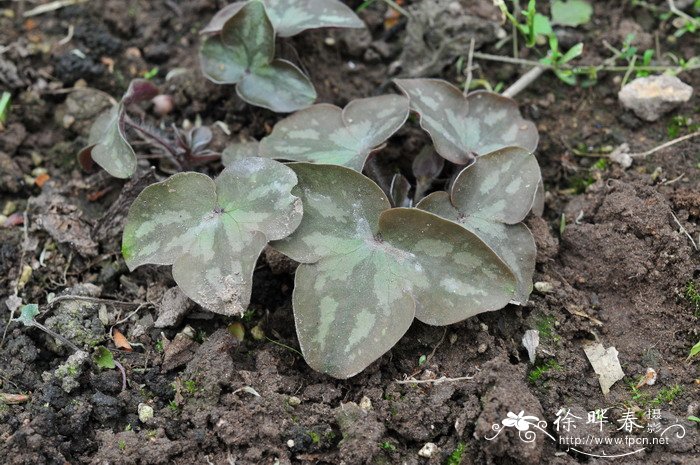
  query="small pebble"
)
[
  {"x": 290, "y": 443},
  {"x": 294, "y": 401},
  {"x": 365, "y": 403},
  {"x": 330, "y": 41},
  {"x": 428, "y": 450},
  {"x": 484, "y": 327},
  {"x": 482, "y": 348},
  {"x": 544, "y": 287},
  {"x": 10, "y": 208},
  {"x": 145, "y": 412}
]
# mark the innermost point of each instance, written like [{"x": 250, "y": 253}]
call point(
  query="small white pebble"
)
[
  {"x": 365, "y": 403},
  {"x": 428, "y": 450},
  {"x": 145, "y": 412},
  {"x": 294, "y": 401},
  {"x": 290, "y": 443},
  {"x": 330, "y": 41},
  {"x": 484, "y": 327},
  {"x": 544, "y": 287},
  {"x": 162, "y": 104}
]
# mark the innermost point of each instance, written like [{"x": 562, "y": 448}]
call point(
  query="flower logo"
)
[{"x": 520, "y": 421}]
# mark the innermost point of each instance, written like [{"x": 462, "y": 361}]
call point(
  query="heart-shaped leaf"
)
[
  {"x": 325, "y": 133},
  {"x": 238, "y": 150},
  {"x": 107, "y": 145},
  {"x": 462, "y": 128},
  {"x": 212, "y": 232},
  {"x": 290, "y": 17},
  {"x": 368, "y": 269},
  {"x": 490, "y": 198},
  {"x": 243, "y": 54}
]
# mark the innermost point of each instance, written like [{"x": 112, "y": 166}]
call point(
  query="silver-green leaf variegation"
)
[
  {"x": 290, "y": 17},
  {"x": 243, "y": 54},
  {"x": 462, "y": 128},
  {"x": 107, "y": 145},
  {"x": 490, "y": 198},
  {"x": 328, "y": 134},
  {"x": 367, "y": 270},
  {"x": 212, "y": 231}
]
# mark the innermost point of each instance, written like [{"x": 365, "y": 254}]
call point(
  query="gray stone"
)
[{"x": 650, "y": 97}]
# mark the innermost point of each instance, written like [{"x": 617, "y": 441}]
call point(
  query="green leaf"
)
[
  {"x": 107, "y": 145},
  {"x": 694, "y": 418},
  {"x": 571, "y": 12},
  {"x": 541, "y": 25},
  {"x": 368, "y": 269},
  {"x": 695, "y": 350},
  {"x": 5, "y": 106},
  {"x": 573, "y": 52},
  {"x": 463, "y": 127},
  {"x": 104, "y": 358},
  {"x": 243, "y": 54},
  {"x": 212, "y": 232},
  {"x": 27, "y": 313},
  {"x": 290, "y": 17},
  {"x": 327, "y": 134},
  {"x": 490, "y": 198}
]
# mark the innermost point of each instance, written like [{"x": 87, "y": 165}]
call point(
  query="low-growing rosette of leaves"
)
[
  {"x": 243, "y": 53},
  {"x": 465, "y": 127},
  {"x": 290, "y": 17},
  {"x": 368, "y": 269},
  {"x": 490, "y": 198},
  {"x": 212, "y": 231},
  {"x": 327, "y": 134}
]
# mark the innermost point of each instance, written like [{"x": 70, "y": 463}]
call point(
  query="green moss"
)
[
  {"x": 190, "y": 386},
  {"x": 541, "y": 369},
  {"x": 455, "y": 457},
  {"x": 387, "y": 446},
  {"x": 172, "y": 405},
  {"x": 545, "y": 325},
  {"x": 667, "y": 395},
  {"x": 122, "y": 445},
  {"x": 315, "y": 437},
  {"x": 692, "y": 295}
]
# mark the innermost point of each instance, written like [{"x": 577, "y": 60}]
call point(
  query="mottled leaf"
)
[
  {"x": 462, "y": 128},
  {"x": 239, "y": 150},
  {"x": 368, "y": 269},
  {"x": 290, "y": 17},
  {"x": 243, "y": 54},
  {"x": 325, "y": 133},
  {"x": 212, "y": 232},
  {"x": 279, "y": 86},
  {"x": 216, "y": 24},
  {"x": 490, "y": 198},
  {"x": 107, "y": 145}
]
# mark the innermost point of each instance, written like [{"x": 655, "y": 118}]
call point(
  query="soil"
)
[{"x": 619, "y": 267}]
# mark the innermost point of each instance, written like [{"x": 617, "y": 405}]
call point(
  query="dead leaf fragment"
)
[
  {"x": 605, "y": 363},
  {"x": 649, "y": 378},
  {"x": 120, "y": 340},
  {"x": 531, "y": 339}
]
